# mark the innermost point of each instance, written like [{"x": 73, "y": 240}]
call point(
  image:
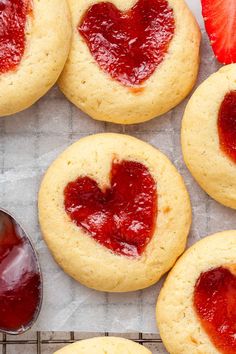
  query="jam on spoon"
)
[
  {"x": 20, "y": 278},
  {"x": 121, "y": 217}
]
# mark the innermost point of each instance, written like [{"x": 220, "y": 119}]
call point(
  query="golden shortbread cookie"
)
[
  {"x": 203, "y": 155},
  {"x": 104, "y": 345},
  {"x": 48, "y": 39},
  {"x": 79, "y": 254},
  {"x": 94, "y": 91},
  {"x": 179, "y": 325}
]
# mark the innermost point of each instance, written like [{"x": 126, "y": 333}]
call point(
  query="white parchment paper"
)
[{"x": 30, "y": 141}]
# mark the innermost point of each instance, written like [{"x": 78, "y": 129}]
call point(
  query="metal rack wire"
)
[{"x": 39, "y": 342}]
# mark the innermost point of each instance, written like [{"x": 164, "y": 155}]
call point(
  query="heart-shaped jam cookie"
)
[
  {"x": 227, "y": 125},
  {"x": 129, "y": 45},
  {"x": 215, "y": 305},
  {"x": 121, "y": 217},
  {"x": 13, "y": 17}
]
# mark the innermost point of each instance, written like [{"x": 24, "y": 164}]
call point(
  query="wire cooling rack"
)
[{"x": 48, "y": 342}]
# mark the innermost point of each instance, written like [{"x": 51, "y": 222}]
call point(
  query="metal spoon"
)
[{"x": 21, "y": 284}]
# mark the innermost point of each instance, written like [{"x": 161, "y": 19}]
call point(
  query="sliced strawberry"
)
[{"x": 220, "y": 22}]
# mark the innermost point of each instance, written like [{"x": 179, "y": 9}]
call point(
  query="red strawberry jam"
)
[
  {"x": 215, "y": 305},
  {"x": 20, "y": 282},
  {"x": 227, "y": 125},
  {"x": 129, "y": 45},
  {"x": 13, "y": 16},
  {"x": 121, "y": 217}
]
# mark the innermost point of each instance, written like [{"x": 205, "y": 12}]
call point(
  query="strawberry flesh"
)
[{"x": 220, "y": 23}]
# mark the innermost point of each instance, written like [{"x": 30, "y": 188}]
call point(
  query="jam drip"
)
[
  {"x": 227, "y": 125},
  {"x": 129, "y": 45},
  {"x": 215, "y": 305},
  {"x": 20, "y": 282},
  {"x": 121, "y": 217},
  {"x": 13, "y": 16}
]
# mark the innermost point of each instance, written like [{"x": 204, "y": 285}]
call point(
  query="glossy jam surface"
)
[
  {"x": 227, "y": 125},
  {"x": 129, "y": 45},
  {"x": 13, "y": 16},
  {"x": 20, "y": 282},
  {"x": 215, "y": 305},
  {"x": 121, "y": 217}
]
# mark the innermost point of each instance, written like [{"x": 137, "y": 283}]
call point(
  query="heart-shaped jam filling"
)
[
  {"x": 129, "y": 45},
  {"x": 215, "y": 305},
  {"x": 227, "y": 125},
  {"x": 121, "y": 217},
  {"x": 13, "y": 16},
  {"x": 20, "y": 281}
]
